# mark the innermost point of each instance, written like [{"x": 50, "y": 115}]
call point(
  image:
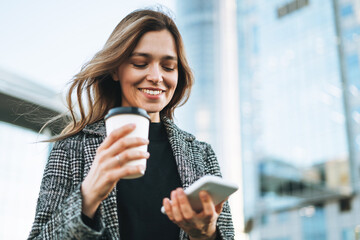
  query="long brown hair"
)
[{"x": 94, "y": 84}]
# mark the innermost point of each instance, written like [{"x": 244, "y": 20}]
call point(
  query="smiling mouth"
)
[{"x": 151, "y": 91}]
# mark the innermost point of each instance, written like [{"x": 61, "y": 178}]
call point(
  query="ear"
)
[{"x": 114, "y": 76}]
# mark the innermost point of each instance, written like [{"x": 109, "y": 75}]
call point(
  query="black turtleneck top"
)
[{"x": 139, "y": 200}]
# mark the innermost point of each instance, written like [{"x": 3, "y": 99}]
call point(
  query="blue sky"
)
[{"x": 48, "y": 41}]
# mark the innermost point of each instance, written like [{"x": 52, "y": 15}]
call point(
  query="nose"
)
[{"x": 154, "y": 74}]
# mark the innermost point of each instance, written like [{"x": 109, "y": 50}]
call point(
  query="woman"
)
[{"x": 143, "y": 65}]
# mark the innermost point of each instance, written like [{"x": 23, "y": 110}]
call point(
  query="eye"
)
[
  {"x": 168, "y": 69},
  {"x": 143, "y": 65}
]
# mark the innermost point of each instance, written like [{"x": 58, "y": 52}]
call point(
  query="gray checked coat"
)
[{"x": 58, "y": 212}]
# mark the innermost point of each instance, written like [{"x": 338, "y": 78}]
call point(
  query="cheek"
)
[
  {"x": 174, "y": 82},
  {"x": 173, "y": 89},
  {"x": 130, "y": 76},
  {"x": 127, "y": 89},
  {"x": 128, "y": 82}
]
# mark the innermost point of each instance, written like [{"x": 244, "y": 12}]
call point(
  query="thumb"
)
[{"x": 219, "y": 207}]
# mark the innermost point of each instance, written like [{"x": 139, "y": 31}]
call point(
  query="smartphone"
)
[{"x": 218, "y": 188}]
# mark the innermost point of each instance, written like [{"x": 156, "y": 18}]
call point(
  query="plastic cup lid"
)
[{"x": 127, "y": 110}]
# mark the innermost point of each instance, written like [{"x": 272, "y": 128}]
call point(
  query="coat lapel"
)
[{"x": 181, "y": 144}]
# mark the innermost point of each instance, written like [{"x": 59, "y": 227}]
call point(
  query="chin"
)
[
  {"x": 155, "y": 106},
  {"x": 151, "y": 109}
]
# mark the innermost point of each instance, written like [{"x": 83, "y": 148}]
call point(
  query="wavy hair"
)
[{"x": 94, "y": 84}]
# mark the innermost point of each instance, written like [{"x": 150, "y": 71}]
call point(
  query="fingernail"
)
[
  {"x": 180, "y": 191},
  {"x": 203, "y": 195}
]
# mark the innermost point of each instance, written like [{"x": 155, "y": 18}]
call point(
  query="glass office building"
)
[
  {"x": 348, "y": 29},
  {"x": 299, "y": 90},
  {"x": 198, "y": 23},
  {"x": 299, "y": 85}
]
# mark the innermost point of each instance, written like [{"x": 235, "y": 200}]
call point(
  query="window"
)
[
  {"x": 345, "y": 205},
  {"x": 348, "y": 234},
  {"x": 346, "y": 10},
  {"x": 264, "y": 219},
  {"x": 283, "y": 217}
]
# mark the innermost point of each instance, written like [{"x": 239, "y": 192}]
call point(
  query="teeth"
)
[{"x": 151, "y": 92}]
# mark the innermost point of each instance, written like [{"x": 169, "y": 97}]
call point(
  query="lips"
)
[{"x": 152, "y": 91}]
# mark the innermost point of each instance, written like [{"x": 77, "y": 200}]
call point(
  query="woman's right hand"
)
[{"x": 109, "y": 167}]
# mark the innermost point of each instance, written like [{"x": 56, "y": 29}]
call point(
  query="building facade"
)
[
  {"x": 299, "y": 90},
  {"x": 198, "y": 23},
  {"x": 299, "y": 95}
]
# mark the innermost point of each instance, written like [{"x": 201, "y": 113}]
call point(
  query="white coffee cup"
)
[{"x": 120, "y": 116}]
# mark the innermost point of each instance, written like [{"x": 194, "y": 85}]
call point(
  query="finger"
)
[
  {"x": 168, "y": 210},
  {"x": 219, "y": 207},
  {"x": 185, "y": 207},
  {"x": 116, "y": 134},
  {"x": 110, "y": 178},
  {"x": 125, "y": 143},
  {"x": 207, "y": 203},
  {"x": 127, "y": 171},
  {"x": 175, "y": 207},
  {"x": 127, "y": 156}
]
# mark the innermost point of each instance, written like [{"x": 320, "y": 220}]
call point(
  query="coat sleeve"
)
[
  {"x": 224, "y": 223},
  {"x": 58, "y": 211}
]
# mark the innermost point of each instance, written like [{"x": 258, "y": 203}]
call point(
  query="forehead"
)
[{"x": 157, "y": 43}]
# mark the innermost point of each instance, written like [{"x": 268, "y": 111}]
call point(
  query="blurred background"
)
[{"x": 277, "y": 94}]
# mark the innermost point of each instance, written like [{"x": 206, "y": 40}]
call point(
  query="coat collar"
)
[{"x": 96, "y": 128}]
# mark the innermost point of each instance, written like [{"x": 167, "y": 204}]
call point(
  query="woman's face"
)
[{"x": 149, "y": 77}]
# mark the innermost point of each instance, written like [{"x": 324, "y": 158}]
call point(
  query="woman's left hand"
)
[{"x": 197, "y": 225}]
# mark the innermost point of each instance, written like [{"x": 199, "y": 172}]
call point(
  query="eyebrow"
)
[{"x": 167, "y": 57}]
